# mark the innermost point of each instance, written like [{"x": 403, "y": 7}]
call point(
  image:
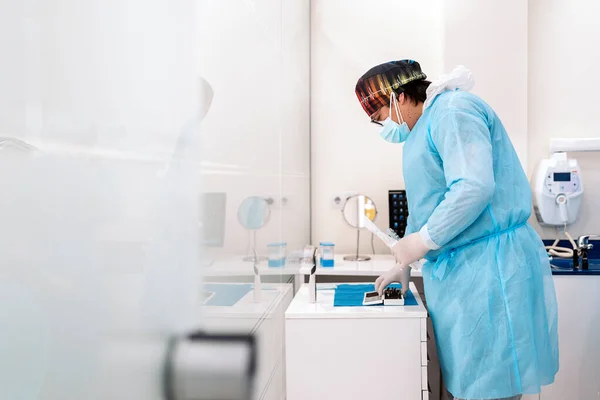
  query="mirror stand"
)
[
  {"x": 253, "y": 214},
  {"x": 357, "y": 257},
  {"x": 251, "y": 249}
]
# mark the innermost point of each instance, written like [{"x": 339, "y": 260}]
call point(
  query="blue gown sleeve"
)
[
  {"x": 462, "y": 139},
  {"x": 409, "y": 225}
]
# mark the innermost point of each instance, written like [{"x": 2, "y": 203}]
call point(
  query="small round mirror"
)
[
  {"x": 254, "y": 213},
  {"x": 358, "y": 207}
]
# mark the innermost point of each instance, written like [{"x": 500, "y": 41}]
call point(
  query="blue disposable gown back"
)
[{"x": 489, "y": 288}]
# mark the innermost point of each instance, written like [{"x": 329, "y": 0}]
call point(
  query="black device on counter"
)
[{"x": 398, "y": 207}]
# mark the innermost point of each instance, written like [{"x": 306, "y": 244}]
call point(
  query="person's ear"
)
[{"x": 401, "y": 99}]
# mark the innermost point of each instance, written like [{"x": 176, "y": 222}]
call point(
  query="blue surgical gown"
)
[{"x": 489, "y": 288}]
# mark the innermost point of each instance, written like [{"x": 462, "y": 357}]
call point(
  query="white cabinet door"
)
[
  {"x": 345, "y": 358},
  {"x": 579, "y": 343}
]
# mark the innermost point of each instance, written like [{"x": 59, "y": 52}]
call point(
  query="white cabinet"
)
[
  {"x": 354, "y": 352},
  {"x": 579, "y": 339},
  {"x": 265, "y": 320}
]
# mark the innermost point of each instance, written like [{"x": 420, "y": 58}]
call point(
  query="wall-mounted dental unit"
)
[{"x": 558, "y": 188}]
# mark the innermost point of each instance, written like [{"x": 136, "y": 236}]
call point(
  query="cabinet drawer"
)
[{"x": 423, "y": 329}]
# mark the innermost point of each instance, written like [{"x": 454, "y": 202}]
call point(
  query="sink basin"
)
[{"x": 565, "y": 266}]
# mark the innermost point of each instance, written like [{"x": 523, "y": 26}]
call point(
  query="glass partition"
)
[
  {"x": 153, "y": 156},
  {"x": 255, "y": 170}
]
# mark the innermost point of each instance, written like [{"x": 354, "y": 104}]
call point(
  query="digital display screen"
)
[
  {"x": 562, "y": 176},
  {"x": 371, "y": 294}
]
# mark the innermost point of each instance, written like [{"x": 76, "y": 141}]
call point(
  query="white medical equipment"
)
[{"x": 558, "y": 190}]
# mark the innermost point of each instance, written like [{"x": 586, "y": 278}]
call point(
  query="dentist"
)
[{"x": 487, "y": 278}]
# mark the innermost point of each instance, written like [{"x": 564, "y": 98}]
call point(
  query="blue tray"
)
[{"x": 353, "y": 295}]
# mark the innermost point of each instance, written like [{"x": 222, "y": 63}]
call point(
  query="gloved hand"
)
[
  {"x": 398, "y": 273},
  {"x": 410, "y": 249}
]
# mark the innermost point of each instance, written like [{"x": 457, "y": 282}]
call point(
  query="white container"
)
[{"x": 327, "y": 253}]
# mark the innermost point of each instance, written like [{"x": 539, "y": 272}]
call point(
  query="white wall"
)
[
  {"x": 563, "y": 59},
  {"x": 490, "y": 38},
  {"x": 348, "y": 38}
]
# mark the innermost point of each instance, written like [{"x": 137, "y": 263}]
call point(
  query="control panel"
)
[
  {"x": 565, "y": 182},
  {"x": 398, "y": 206}
]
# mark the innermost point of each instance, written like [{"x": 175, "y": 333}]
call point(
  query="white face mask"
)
[{"x": 393, "y": 132}]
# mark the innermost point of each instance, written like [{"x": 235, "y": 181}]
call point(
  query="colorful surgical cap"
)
[{"x": 375, "y": 87}]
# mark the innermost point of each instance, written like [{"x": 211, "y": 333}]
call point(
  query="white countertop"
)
[
  {"x": 377, "y": 265},
  {"x": 236, "y": 266},
  {"x": 300, "y": 308}
]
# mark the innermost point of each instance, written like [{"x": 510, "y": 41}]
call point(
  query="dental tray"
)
[
  {"x": 391, "y": 297},
  {"x": 372, "y": 298}
]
